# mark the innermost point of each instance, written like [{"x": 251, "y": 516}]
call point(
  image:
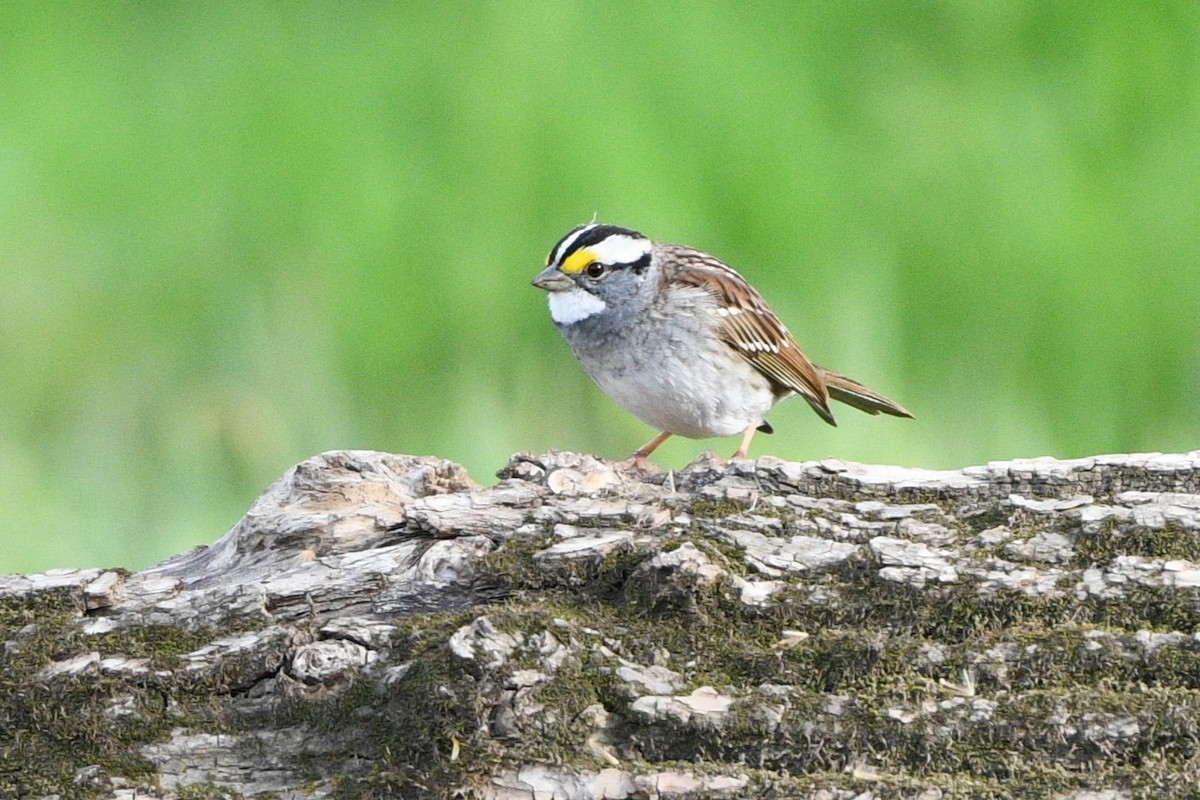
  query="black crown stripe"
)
[
  {"x": 595, "y": 236},
  {"x": 554, "y": 250}
]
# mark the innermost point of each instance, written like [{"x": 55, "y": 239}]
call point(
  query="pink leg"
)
[
  {"x": 746, "y": 437},
  {"x": 638, "y": 459}
]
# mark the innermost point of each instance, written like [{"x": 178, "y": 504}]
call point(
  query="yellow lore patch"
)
[{"x": 577, "y": 261}]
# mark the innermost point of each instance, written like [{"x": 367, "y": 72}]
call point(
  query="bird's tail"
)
[{"x": 853, "y": 393}]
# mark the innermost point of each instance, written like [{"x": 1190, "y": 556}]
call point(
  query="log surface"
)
[{"x": 382, "y": 626}]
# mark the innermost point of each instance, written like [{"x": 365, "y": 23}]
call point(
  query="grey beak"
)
[{"x": 552, "y": 280}]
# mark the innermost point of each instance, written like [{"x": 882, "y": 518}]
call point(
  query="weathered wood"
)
[{"x": 381, "y": 626}]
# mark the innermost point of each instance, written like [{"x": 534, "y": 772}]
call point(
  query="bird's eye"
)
[{"x": 594, "y": 269}]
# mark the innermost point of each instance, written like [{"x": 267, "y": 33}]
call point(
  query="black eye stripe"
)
[{"x": 640, "y": 265}]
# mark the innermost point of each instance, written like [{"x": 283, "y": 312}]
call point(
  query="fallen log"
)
[{"x": 382, "y": 626}]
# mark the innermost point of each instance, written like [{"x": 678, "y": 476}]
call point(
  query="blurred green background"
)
[{"x": 233, "y": 235}]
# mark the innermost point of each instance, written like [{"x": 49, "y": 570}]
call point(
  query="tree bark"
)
[{"x": 382, "y": 626}]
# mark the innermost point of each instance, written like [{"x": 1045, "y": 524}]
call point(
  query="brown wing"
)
[{"x": 751, "y": 328}]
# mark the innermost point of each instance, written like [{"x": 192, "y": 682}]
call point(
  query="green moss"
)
[
  {"x": 418, "y": 737},
  {"x": 54, "y": 728},
  {"x": 705, "y": 511},
  {"x": 516, "y": 569},
  {"x": 990, "y": 516},
  {"x": 1115, "y": 538},
  {"x": 1149, "y": 607},
  {"x": 161, "y": 644},
  {"x": 42, "y": 625},
  {"x": 720, "y": 508}
]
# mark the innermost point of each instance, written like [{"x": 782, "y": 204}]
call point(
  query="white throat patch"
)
[{"x": 569, "y": 307}]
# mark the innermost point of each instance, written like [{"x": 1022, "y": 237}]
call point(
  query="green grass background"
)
[{"x": 233, "y": 235}]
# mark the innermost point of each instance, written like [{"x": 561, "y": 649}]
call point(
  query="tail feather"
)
[{"x": 853, "y": 393}]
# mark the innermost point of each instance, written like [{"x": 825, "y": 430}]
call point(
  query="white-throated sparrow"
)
[{"x": 680, "y": 340}]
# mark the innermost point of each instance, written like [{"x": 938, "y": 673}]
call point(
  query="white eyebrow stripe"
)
[
  {"x": 566, "y": 243},
  {"x": 620, "y": 249}
]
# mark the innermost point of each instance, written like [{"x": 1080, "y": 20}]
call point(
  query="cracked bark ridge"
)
[{"x": 381, "y": 626}]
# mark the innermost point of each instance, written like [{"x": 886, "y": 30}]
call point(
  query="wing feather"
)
[{"x": 748, "y": 325}]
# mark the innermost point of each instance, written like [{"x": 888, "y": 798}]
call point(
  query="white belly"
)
[
  {"x": 673, "y": 373},
  {"x": 697, "y": 395}
]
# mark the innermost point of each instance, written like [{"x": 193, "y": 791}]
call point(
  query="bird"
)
[{"x": 682, "y": 341}]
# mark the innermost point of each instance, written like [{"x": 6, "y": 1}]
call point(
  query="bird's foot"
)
[{"x": 639, "y": 463}]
